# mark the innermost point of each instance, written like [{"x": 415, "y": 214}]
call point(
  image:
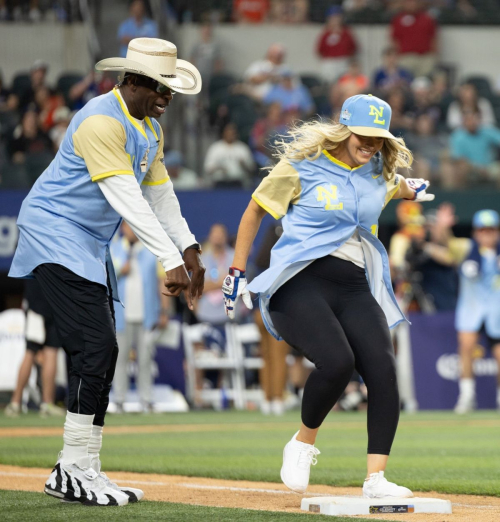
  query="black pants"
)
[
  {"x": 328, "y": 313},
  {"x": 84, "y": 318}
]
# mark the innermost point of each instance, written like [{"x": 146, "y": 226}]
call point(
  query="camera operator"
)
[{"x": 422, "y": 259}]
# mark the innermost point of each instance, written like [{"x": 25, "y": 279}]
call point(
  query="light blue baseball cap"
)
[
  {"x": 367, "y": 115},
  {"x": 486, "y": 218}
]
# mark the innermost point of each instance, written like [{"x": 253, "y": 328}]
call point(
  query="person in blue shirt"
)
[
  {"x": 137, "y": 26},
  {"x": 328, "y": 292},
  {"x": 109, "y": 167},
  {"x": 290, "y": 94},
  {"x": 391, "y": 76},
  {"x": 474, "y": 149}
]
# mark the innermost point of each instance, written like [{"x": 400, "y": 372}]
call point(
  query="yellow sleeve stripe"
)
[
  {"x": 265, "y": 207},
  {"x": 160, "y": 182},
  {"x": 113, "y": 173}
]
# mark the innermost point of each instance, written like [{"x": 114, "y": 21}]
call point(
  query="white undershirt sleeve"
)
[
  {"x": 165, "y": 205},
  {"x": 124, "y": 194}
]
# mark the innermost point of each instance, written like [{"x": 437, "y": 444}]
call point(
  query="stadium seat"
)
[
  {"x": 243, "y": 113},
  {"x": 36, "y": 164},
  {"x": 14, "y": 177},
  {"x": 220, "y": 82},
  {"x": 21, "y": 84},
  {"x": 482, "y": 84}
]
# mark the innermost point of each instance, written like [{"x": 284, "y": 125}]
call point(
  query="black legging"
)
[{"x": 328, "y": 313}]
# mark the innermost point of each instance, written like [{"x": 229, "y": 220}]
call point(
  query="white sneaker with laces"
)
[
  {"x": 78, "y": 482},
  {"x": 377, "y": 486},
  {"x": 133, "y": 494},
  {"x": 12, "y": 409},
  {"x": 297, "y": 459},
  {"x": 465, "y": 404}
]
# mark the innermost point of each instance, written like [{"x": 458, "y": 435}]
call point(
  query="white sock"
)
[
  {"x": 95, "y": 444},
  {"x": 77, "y": 430},
  {"x": 467, "y": 388}
]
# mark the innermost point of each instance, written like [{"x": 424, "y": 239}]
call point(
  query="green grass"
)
[
  {"x": 21, "y": 506},
  {"x": 433, "y": 451}
]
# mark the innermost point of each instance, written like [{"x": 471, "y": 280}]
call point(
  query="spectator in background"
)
[
  {"x": 38, "y": 77},
  {"x": 391, "y": 75},
  {"x": 139, "y": 285},
  {"x": 264, "y": 133},
  {"x": 424, "y": 101},
  {"x": 474, "y": 150},
  {"x": 291, "y": 95},
  {"x": 289, "y": 11},
  {"x": 229, "y": 162},
  {"x": 28, "y": 139},
  {"x": 428, "y": 146},
  {"x": 182, "y": 178},
  {"x": 137, "y": 26},
  {"x": 335, "y": 45},
  {"x": 250, "y": 11},
  {"x": 351, "y": 83},
  {"x": 206, "y": 55},
  {"x": 262, "y": 74},
  {"x": 61, "y": 119},
  {"x": 401, "y": 121},
  {"x": 47, "y": 103},
  {"x": 468, "y": 100},
  {"x": 8, "y": 101},
  {"x": 93, "y": 84},
  {"x": 414, "y": 34}
]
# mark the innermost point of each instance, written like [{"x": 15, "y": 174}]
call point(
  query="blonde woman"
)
[{"x": 328, "y": 292}]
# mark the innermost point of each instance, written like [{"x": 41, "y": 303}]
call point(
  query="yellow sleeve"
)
[
  {"x": 392, "y": 186},
  {"x": 157, "y": 173},
  {"x": 459, "y": 248},
  {"x": 100, "y": 140},
  {"x": 280, "y": 188}
]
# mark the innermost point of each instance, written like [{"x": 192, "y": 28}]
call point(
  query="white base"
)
[{"x": 336, "y": 506}]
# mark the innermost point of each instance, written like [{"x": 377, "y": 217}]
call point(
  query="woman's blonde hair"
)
[{"x": 307, "y": 140}]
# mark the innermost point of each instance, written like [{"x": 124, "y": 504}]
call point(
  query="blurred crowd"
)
[{"x": 34, "y": 11}]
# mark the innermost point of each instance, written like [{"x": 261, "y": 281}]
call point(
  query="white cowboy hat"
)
[{"x": 156, "y": 59}]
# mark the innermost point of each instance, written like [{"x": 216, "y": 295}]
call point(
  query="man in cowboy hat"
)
[{"x": 109, "y": 167}]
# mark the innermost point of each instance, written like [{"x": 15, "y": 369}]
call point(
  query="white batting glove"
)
[
  {"x": 234, "y": 286},
  {"x": 419, "y": 186}
]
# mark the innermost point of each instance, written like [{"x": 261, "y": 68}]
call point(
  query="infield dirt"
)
[{"x": 252, "y": 495}]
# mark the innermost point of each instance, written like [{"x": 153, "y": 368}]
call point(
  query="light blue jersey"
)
[
  {"x": 323, "y": 203},
  {"x": 479, "y": 294},
  {"x": 65, "y": 219}
]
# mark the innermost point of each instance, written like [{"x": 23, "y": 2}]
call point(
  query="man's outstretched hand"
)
[
  {"x": 194, "y": 264},
  {"x": 177, "y": 281}
]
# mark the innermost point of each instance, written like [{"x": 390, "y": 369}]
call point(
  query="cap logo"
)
[
  {"x": 346, "y": 115},
  {"x": 378, "y": 113}
]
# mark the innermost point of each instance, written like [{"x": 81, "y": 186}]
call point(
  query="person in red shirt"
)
[
  {"x": 414, "y": 33},
  {"x": 250, "y": 11},
  {"x": 335, "y": 45}
]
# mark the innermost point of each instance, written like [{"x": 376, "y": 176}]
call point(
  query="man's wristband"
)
[{"x": 194, "y": 246}]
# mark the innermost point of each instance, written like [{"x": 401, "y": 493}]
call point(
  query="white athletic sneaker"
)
[
  {"x": 12, "y": 410},
  {"x": 51, "y": 410},
  {"x": 465, "y": 404},
  {"x": 278, "y": 407},
  {"x": 297, "y": 459},
  {"x": 265, "y": 407},
  {"x": 377, "y": 486},
  {"x": 133, "y": 494},
  {"x": 78, "y": 482}
]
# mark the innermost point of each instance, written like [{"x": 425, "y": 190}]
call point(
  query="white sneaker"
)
[
  {"x": 297, "y": 459},
  {"x": 133, "y": 494},
  {"x": 377, "y": 486},
  {"x": 465, "y": 404},
  {"x": 48, "y": 409},
  {"x": 78, "y": 482},
  {"x": 12, "y": 410},
  {"x": 265, "y": 407},
  {"x": 278, "y": 407}
]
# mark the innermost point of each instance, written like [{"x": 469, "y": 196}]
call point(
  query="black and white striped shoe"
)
[
  {"x": 78, "y": 482},
  {"x": 134, "y": 494}
]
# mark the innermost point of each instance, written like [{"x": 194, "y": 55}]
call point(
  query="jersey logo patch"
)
[{"x": 329, "y": 195}]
